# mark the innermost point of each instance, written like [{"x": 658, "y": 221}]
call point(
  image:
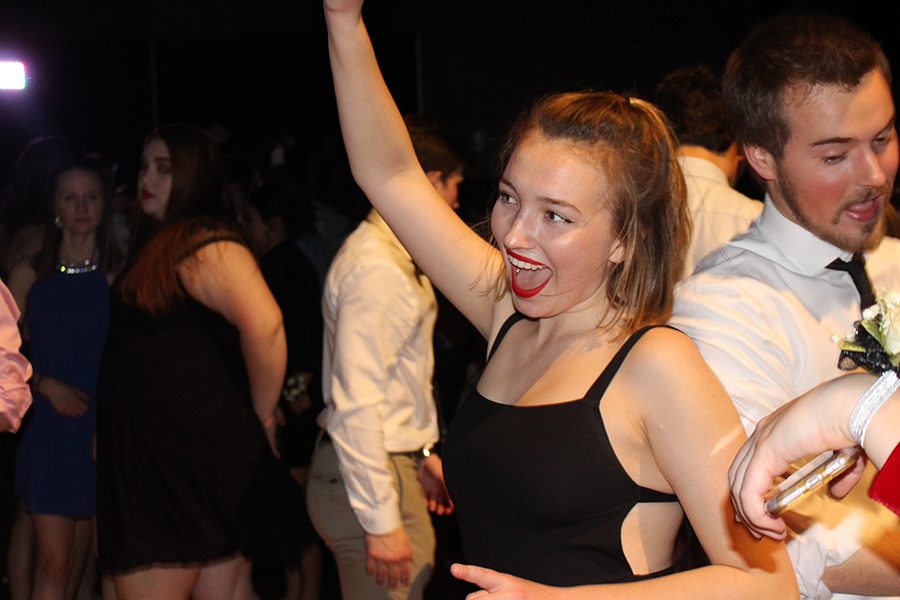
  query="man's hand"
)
[
  {"x": 431, "y": 476},
  {"x": 389, "y": 558}
]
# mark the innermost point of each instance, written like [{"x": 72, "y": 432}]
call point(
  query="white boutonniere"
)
[{"x": 874, "y": 344}]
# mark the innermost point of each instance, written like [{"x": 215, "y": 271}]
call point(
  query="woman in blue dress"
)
[{"x": 63, "y": 296}]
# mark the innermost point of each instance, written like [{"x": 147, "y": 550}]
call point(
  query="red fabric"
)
[{"x": 886, "y": 487}]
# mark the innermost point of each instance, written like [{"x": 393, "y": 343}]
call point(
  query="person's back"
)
[
  {"x": 371, "y": 470},
  {"x": 710, "y": 159}
]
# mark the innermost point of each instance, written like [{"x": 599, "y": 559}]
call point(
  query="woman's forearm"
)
[
  {"x": 265, "y": 356},
  {"x": 375, "y": 135},
  {"x": 712, "y": 582},
  {"x": 883, "y": 434}
]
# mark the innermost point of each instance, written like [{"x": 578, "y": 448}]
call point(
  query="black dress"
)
[
  {"x": 539, "y": 492},
  {"x": 186, "y": 475}
]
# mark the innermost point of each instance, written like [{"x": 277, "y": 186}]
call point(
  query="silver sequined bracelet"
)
[{"x": 869, "y": 404}]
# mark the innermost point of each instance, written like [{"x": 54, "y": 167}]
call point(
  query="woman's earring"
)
[{"x": 57, "y": 221}]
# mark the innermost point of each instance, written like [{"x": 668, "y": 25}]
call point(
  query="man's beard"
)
[{"x": 869, "y": 236}]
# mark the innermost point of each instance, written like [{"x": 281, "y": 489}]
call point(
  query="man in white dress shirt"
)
[
  {"x": 710, "y": 159},
  {"x": 811, "y": 102},
  {"x": 373, "y": 476}
]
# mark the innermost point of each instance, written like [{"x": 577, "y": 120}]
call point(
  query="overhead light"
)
[{"x": 12, "y": 75}]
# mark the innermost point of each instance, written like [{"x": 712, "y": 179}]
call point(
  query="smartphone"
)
[{"x": 810, "y": 478}]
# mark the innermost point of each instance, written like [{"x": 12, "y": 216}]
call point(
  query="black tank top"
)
[{"x": 539, "y": 492}]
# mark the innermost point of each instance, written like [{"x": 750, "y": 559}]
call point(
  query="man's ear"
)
[
  {"x": 434, "y": 177},
  {"x": 761, "y": 161}
]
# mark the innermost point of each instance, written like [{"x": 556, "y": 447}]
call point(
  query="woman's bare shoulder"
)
[{"x": 666, "y": 363}]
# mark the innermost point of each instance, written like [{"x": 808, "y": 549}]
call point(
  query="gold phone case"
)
[{"x": 810, "y": 478}]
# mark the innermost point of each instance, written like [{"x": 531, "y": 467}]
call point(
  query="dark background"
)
[{"x": 106, "y": 73}]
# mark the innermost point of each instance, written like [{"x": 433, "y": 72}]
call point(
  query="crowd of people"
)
[{"x": 202, "y": 380}]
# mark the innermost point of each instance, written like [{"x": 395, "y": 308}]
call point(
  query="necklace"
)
[{"x": 77, "y": 267}]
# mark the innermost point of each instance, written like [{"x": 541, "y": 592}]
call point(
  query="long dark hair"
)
[
  {"x": 108, "y": 255},
  {"x": 22, "y": 202},
  {"x": 196, "y": 208}
]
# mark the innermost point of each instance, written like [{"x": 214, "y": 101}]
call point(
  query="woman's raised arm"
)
[{"x": 384, "y": 165}]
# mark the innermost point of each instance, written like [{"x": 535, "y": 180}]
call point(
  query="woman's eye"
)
[
  {"x": 883, "y": 141},
  {"x": 555, "y": 217},
  {"x": 505, "y": 198}
]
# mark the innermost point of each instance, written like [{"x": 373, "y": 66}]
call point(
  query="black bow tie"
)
[{"x": 857, "y": 270}]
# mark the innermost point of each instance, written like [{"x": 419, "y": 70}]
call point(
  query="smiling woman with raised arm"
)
[{"x": 592, "y": 433}]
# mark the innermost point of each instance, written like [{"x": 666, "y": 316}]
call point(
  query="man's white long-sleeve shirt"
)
[
  {"x": 763, "y": 312},
  {"x": 718, "y": 211},
  {"x": 379, "y": 316}
]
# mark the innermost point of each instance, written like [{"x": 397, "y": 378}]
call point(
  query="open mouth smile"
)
[{"x": 527, "y": 277}]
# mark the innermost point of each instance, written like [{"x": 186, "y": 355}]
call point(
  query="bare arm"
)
[
  {"x": 818, "y": 421},
  {"x": 384, "y": 164},
  {"x": 224, "y": 277},
  {"x": 688, "y": 417}
]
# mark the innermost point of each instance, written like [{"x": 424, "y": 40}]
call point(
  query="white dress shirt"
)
[
  {"x": 15, "y": 370},
  {"x": 378, "y": 361},
  {"x": 763, "y": 312},
  {"x": 718, "y": 211}
]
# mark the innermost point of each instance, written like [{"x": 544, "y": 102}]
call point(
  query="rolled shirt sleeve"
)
[{"x": 15, "y": 370}]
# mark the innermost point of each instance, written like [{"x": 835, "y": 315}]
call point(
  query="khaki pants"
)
[{"x": 334, "y": 519}]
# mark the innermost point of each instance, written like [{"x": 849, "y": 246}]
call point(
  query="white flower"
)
[{"x": 890, "y": 322}]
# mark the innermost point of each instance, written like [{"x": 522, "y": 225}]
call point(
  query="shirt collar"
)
[
  {"x": 778, "y": 238},
  {"x": 378, "y": 222},
  {"x": 701, "y": 168}
]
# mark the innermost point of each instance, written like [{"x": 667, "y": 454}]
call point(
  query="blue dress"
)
[{"x": 67, "y": 319}]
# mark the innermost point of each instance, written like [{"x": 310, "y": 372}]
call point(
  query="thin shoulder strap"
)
[
  {"x": 218, "y": 237},
  {"x": 512, "y": 320},
  {"x": 598, "y": 390}
]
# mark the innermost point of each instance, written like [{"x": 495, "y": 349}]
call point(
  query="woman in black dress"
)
[
  {"x": 590, "y": 225},
  {"x": 189, "y": 386}
]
